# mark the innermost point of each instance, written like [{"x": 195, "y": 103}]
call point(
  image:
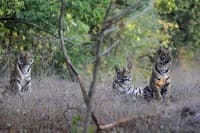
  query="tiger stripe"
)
[
  {"x": 160, "y": 82},
  {"x": 20, "y": 79}
]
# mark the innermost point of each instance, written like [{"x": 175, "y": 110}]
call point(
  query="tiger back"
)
[
  {"x": 20, "y": 79},
  {"x": 160, "y": 83}
]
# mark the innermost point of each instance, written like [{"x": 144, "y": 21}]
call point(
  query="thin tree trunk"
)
[
  {"x": 99, "y": 41},
  {"x": 70, "y": 66},
  {"x": 68, "y": 62}
]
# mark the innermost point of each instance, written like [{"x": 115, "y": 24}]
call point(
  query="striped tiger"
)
[
  {"x": 160, "y": 83},
  {"x": 20, "y": 79},
  {"x": 122, "y": 83}
]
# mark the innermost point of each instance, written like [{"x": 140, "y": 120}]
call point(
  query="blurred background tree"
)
[
  {"x": 33, "y": 24},
  {"x": 183, "y": 31}
]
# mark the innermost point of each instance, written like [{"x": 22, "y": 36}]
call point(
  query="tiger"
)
[
  {"x": 160, "y": 82},
  {"x": 20, "y": 78},
  {"x": 122, "y": 83}
]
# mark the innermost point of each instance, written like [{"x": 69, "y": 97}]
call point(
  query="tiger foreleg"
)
[
  {"x": 167, "y": 94},
  {"x": 157, "y": 95},
  {"x": 16, "y": 88},
  {"x": 29, "y": 87}
]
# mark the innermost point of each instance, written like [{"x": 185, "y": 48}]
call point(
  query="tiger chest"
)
[
  {"x": 160, "y": 83},
  {"x": 25, "y": 78}
]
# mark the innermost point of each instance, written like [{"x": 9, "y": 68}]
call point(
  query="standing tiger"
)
[
  {"x": 123, "y": 82},
  {"x": 160, "y": 84},
  {"x": 20, "y": 79}
]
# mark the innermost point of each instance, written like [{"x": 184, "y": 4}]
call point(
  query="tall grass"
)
[{"x": 56, "y": 106}]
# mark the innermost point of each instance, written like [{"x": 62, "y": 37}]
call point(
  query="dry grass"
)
[{"x": 55, "y": 106}]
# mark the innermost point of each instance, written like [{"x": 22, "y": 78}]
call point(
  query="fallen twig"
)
[{"x": 125, "y": 121}]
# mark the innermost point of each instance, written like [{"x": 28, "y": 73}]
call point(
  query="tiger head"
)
[
  {"x": 123, "y": 74},
  {"x": 164, "y": 56},
  {"x": 25, "y": 58}
]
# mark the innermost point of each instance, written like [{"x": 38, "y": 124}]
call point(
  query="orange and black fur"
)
[
  {"x": 20, "y": 79},
  {"x": 160, "y": 83},
  {"x": 123, "y": 82}
]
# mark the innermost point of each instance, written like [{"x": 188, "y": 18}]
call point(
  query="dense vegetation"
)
[
  {"x": 33, "y": 24},
  {"x": 131, "y": 28}
]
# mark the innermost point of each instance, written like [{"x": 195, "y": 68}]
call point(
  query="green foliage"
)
[
  {"x": 139, "y": 38},
  {"x": 76, "y": 125},
  {"x": 33, "y": 24},
  {"x": 10, "y": 7},
  {"x": 165, "y": 6},
  {"x": 185, "y": 15},
  {"x": 90, "y": 12}
]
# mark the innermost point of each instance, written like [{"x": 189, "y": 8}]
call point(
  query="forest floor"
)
[{"x": 56, "y": 105}]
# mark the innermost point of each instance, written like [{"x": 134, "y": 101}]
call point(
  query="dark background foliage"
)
[{"x": 33, "y": 24}]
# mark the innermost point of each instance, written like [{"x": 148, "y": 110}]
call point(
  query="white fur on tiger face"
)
[{"x": 20, "y": 79}]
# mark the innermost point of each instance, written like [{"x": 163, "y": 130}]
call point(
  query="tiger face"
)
[
  {"x": 123, "y": 74},
  {"x": 164, "y": 57},
  {"x": 25, "y": 58},
  {"x": 122, "y": 81}
]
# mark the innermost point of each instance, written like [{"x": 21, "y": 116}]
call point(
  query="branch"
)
[
  {"x": 107, "y": 50},
  {"x": 124, "y": 13},
  {"x": 110, "y": 48},
  {"x": 22, "y": 21},
  {"x": 110, "y": 30},
  {"x": 125, "y": 121},
  {"x": 143, "y": 12},
  {"x": 120, "y": 122},
  {"x": 68, "y": 62}
]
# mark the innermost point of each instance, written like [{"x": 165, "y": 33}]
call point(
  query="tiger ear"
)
[
  {"x": 169, "y": 50},
  {"x": 21, "y": 53},
  {"x": 129, "y": 63},
  {"x": 31, "y": 51},
  {"x": 116, "y": 67},
  {"x": 160, "y": 50},
  {"x": 129, "y": 66}
]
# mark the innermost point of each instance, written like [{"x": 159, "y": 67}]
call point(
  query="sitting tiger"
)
[
  {"x": 160, "y": 84},
  {"x": 123, "y": 84},
  {"x": 20, "y": 79}
]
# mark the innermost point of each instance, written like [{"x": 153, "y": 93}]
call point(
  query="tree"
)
[{"x": 184, "y": 31}]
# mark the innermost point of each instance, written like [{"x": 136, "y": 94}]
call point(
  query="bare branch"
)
[
  {"x": 62, "y": 9},
  {"x": 119, "y": 122},
  {"x": 107, "y": 50},
  {"x": 124, "y": 121},
  {"x": 124, "y": 13},
  {"x": 110, "y": 48},
  {"x": 143, "y": 12},
  {"x": 110, "y": 30}
]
